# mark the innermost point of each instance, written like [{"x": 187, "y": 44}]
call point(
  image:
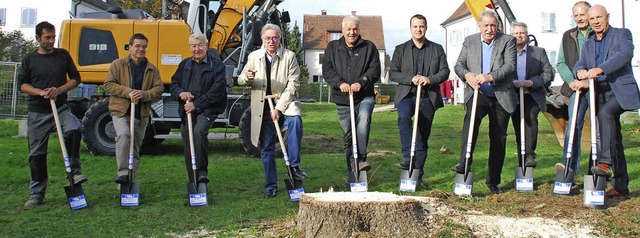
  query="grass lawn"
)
[{"x": 235, "y": 191}]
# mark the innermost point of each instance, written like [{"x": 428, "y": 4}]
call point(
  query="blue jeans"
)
[
  {"x": 583, "y": 104},
  {"x": 406, "y": 110},
  {"x": 362, "y": 111},
  {"x": 268, "y": 140}
]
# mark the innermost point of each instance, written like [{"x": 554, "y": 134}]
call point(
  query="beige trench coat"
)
[{"x": 285, "y": 80}]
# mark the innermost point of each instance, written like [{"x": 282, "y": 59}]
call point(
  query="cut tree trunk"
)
[{"x": 373, "y": 214}]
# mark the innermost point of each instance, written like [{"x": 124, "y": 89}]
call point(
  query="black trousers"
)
[
  {"x": 531, "y": 111},
  {"x": 611, "y": 151},
  {"x": 498, "y": 124}
]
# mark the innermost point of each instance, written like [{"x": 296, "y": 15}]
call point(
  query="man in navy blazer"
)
[
  {"x": 606, "y": 58},
  {"x": 487, "y": 62},
  {"x": 533, "y": 73},
  {"x": 417, "y": 63}
]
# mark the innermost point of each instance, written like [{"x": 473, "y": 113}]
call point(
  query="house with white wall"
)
[{"x": 319, "y": 30}]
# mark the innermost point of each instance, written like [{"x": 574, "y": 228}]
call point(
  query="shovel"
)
[
  {"x": 564, "y": 179},
  {"x": 357, "y": 178},
  {"x": 294, "y": 186},
  {"x": 75, "y": 193},
  {"x": 594, "y": 185},
  {"x": 197, "y": 190},
  {"x": 464, "y": 181},
  {"x": 130, "y": 191},
  {"x": 523, "y": 174},
  {"x": 409, "y": 178}
]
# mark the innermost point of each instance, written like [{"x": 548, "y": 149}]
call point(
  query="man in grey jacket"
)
[
  {"x": 417, "y": 63},
  {"x": 487, "y": 63}
]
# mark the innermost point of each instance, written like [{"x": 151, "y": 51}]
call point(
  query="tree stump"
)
[{"x": 372, "y": 214}]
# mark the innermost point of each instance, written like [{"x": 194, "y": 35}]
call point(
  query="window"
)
[
  {"x": 333, "y": 35},
  {"x": 3, "y": 16},
  {"x": 553, "y": 58},
  {"x": 28, "y": 17},
  {"x": 316, "y": 78},
  {"x": 548, "y": 22},
  {"x": 96, "y": 47},
  {"x": 320, "y": 58}
]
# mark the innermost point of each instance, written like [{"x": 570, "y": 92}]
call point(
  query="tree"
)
[
  {"x": 153, "y": 7},
  {"x": 13, "y": 46},
  {"x": 293, "y": 38}
]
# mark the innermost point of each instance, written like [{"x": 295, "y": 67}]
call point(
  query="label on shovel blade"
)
[
  {"x": 562, "y": 188},
  {"x": 593, "y": 197},
  {"x": 78, "y": 202},
  {"x": 407, "y": 185},
  {"x": 198, "y": 199},
  {"x": 129, "y": 200},
  {"x": 462, "y": 189},
  {"x": 358, "y": 187},
  {"x": 295, "y": 193},
  {"x": 524, "y": 184}
]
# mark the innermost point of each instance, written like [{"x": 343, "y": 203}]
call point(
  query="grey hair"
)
[
  {"x": 270, "y": 26},
  {"x": 351, "y": 18},
  {"x": 200, "y": 37},
  {"x": 489, "y": 13},
  {"x": 520, "y": 24}
]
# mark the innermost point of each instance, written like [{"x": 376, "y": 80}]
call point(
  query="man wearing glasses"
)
[{"x": 274, "y": 70}]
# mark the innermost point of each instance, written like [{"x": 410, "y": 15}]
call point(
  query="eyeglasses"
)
[{"x": 271, "y": 39}]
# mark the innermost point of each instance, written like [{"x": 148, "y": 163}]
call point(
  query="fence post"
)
[{"x": 14, "y": 96}]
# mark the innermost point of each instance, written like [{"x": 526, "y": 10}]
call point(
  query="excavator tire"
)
[
  {"x": 98, "y": 133},
  {"x": 244, "y": 133}
]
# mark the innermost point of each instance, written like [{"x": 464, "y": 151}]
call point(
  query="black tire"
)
[
  {"x": 98, "y": 133},
  {"x": 244, "y": 133}
]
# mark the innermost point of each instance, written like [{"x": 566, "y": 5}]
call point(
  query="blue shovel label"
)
[
  {"x": 129, "y": 200},
  {"x": 562, "y": 188},
  {"x": 462, "y": 189},
  {"x": 78, "y": 202},
  {"x": 593, "y": 197},
  {"x": 295, "y": 193},
  {"x": 198, "y": 199},
  {"x": 524, "y": 184},
  {"x": 407, "y": 185},
  {"x": 358, "y": 187}
]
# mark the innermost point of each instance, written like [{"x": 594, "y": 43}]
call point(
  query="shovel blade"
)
[
  {"x": 409, "y": 180},
  {"x": 562, "y": 185},
  {"x": 197, "y": 194},
  {"x": 359, "y": 183},
  {"x": 75, "y": 196},
  {"x": 594, "y": 187},
  {"x": 524, "y": 179},
  {"x": 464, "y": 183},
  {"x": 130, "y": 194},
  {"x": 295, "y": 189}
]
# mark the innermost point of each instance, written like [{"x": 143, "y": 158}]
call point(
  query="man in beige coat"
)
[
  {"x": 131, "y": 79},
  {"x": 273, "y": 70}
]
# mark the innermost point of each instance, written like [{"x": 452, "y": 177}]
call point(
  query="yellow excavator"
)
[{"x": 94, "y": 40}]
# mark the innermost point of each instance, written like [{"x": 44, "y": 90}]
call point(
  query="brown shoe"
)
[
  {"x": 612, "y": 193},
  {"x": 601, "y": 169}
]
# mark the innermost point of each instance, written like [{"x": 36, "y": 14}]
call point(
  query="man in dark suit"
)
[
  {"x": 533, "y": 72},
  {"x": 487, "y": 62},
  {"x": 417, "y": 63},
  {"x": 606, "y": 58}
]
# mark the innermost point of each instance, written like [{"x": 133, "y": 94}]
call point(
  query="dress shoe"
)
[
  {"x": 271, "y": 193},
  {"x": 122, "y": 179},
  {"x": 612, "y": 193},
  {"x": 404, "y": 165},
  {"x": 495, "y": 189},
  {"x": 459, "y": 168},
  {"x": 601, "y": 169},
  {"x": 203, "y": 179},
  {"x": 33, "y": 202},
  {"x": 79, "y": 178},
  {"x": 298, "y": 174},
  {"x": 364, "y": 165},
  {"x": 530, "y": 161}
]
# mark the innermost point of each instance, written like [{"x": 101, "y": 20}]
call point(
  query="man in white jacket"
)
[{"x": 273, "y": 70}]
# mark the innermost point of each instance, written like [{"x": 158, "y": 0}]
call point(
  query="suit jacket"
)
[
  {"x": 540, "y": 72},
  {"x": 435, "y": 68},
  {"x": 616, "y": 66},
  {"x": 285, "y": 81},
  {"x": 503, "y": 66}
]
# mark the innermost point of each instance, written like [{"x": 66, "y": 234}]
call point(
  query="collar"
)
[
  {"x": 424, "y": 43},
  {"x": 604, "y": 35},
  {"x": 204, "y": 60},
  {"x": 485, "y": 43}
]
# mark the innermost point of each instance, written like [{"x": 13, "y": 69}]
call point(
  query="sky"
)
[{"x": 395, "y": 15}]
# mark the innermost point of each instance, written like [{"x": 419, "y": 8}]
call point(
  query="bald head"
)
[{"x": 599, "y": 20}]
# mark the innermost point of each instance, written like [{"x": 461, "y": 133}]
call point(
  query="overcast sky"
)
[{"x": 395, "y": 15}]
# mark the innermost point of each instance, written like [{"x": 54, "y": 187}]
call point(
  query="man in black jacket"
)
[
  {"x": 352, "y": 65},
  {"x": 199, "y": 84},
  {"x": 417, "y": 63}
]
